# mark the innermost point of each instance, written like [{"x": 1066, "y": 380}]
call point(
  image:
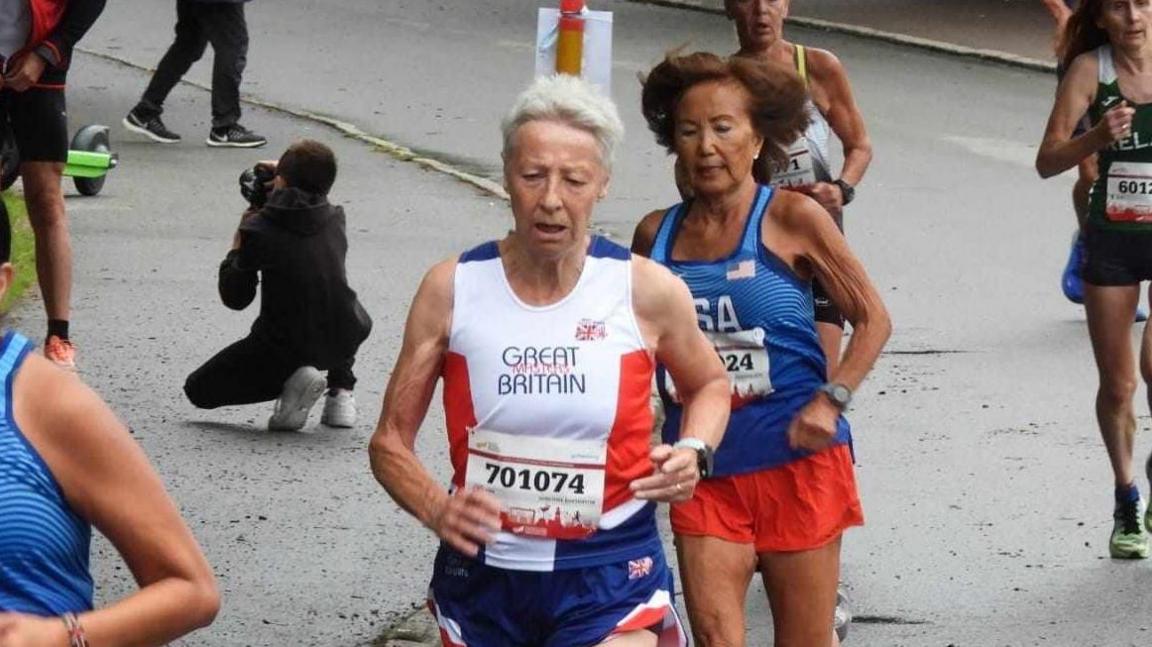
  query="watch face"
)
[{"x": 840, "y": 393}]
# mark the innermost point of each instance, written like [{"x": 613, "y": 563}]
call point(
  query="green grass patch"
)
[{"x": 23, "y": 250}]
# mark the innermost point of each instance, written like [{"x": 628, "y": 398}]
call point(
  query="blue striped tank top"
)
[
  {"x": 759, "y": 315},
  {"x": 43, "y": 543}
]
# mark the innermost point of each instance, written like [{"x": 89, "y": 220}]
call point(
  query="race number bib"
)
[
  {"x": 799, "y": 171},
  {"x": 745, "y": 358},
  {"x": 1129, "y": 197},
  {"x": 548, "y": 487}
]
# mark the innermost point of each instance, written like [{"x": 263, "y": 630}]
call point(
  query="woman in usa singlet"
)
[{"x": 783, "y": 490}]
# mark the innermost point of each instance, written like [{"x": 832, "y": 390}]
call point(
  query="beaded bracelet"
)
[{"x": 76, "y": 635}]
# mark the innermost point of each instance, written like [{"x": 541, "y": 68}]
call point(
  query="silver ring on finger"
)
[{"x": 679, "y": 487}]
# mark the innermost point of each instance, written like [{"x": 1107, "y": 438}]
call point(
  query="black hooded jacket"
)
[{"x": 297, "y": 244}]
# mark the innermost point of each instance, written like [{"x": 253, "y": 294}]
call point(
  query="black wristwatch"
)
[
  {"x": 847, "y": 191},
  {"x": 704, "y": 454}
]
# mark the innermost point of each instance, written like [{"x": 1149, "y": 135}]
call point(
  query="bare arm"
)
[
  {"x": 108, "y": 481},
  {"x": 462, "y": 520},
  {"x": 842, "y": 113},
  {"x": 667, "y": 317},
  {"x": 1060, "y": 13},
  {"x": 644, "y": 236},
  {"x": 809, "y": 231},
  {"x": 1059, "y": 151},
  {"x": 850, "y": 289}
]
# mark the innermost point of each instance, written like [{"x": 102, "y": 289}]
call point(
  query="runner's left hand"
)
[
  {"x": 828, "y": 195},
  {"x": 674, "y": 478},
  {"x": 23, "y": 630},
  {"x": 814, "y": 428},
  {"x": 24, "y": 72}
]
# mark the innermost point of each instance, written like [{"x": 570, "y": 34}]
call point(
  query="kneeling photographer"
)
[{"x": 310, "y": 320}]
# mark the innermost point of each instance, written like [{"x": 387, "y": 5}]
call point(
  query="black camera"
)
[{"x": 256, "y": 184}]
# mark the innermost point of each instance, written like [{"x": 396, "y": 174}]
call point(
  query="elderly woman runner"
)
[
  {"x": 546, "y": 342},
  {"x": 783, "y": 490},
  {"x": 67, "y": 464}
]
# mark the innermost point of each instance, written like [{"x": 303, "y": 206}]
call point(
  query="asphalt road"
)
[{"x": 985, "y": 486}]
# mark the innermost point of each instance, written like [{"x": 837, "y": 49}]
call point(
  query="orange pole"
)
[{"x": 570, "y": 44}]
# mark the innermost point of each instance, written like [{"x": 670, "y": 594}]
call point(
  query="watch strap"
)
[{"x": 847, "y": 191}]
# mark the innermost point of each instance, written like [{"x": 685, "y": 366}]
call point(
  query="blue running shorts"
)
[{"x": 482, "y": 606}]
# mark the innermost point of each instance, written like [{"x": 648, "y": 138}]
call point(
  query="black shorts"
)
[
  {"x": 1113, "y": 258},
  {"x": 38, "y": 122}
]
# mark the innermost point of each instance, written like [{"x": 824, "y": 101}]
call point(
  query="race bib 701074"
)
[{"x": 548, "y": 487}]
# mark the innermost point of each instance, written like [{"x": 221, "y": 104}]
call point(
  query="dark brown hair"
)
[
  {"x": 777, "y": 109},
  {"x": 1081, "y": 33},
  {"x": 309, "y": 166}
]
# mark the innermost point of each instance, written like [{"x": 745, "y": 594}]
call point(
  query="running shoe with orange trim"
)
[{"x": 61, "y": 351}]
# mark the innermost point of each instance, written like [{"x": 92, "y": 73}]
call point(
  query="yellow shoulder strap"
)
[{"x": 802, "y": 64}]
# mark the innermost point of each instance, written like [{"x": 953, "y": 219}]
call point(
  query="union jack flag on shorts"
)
[{"x": 638, "y": 568}]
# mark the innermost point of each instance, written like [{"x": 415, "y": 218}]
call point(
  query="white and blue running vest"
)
[{"x": 576, "y": 372}]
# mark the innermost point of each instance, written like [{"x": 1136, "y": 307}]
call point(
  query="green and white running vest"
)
[{"x": 1121, "y": 198}]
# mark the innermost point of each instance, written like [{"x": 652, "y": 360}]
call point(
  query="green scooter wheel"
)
[{"x": 92, "y": 139}]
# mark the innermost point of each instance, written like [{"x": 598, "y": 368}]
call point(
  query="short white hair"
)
[{"x": 569, "y": 100}]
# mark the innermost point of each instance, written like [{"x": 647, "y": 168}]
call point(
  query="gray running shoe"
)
[
  {"x": 152, "y": 128},
  {"x": 235, "y": 136},
  {"x": 301, "y": 391},
  {"x": 843, "y": 616}
]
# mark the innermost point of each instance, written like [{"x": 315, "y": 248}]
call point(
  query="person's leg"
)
[
  {"x": 801, "y": 590},
  {"x": 714, "y": 575},
  {"x": 1110, "y": 310},
  {"x": 1146, "y": 375},
  {"x": 246, "y": 372},
  {"x": 44, "y": 197},
  {"x": 40, "y": 128},
  {"x": 341, "y": 376},
  {"x": 227, "y": 30},
  {"x": 185, "y": 50},
  {"x": 642, "y": 638}
]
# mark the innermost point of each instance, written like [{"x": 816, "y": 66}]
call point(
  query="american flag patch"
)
[
  {"x": 742, "y": 270},
  {"x": 588, "y": 330},
  {"x": 638, "y": 568}
]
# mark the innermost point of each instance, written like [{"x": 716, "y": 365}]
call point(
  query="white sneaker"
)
[
  {"x": 843, "y": 615},
  {"x": 301, "y": 391},
  {"x": 339, "y": 409}
]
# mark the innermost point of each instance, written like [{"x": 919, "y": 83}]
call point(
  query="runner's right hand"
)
[
  {"x": 1117, "y": 122},
  {"x": 467, "y": 519}
]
